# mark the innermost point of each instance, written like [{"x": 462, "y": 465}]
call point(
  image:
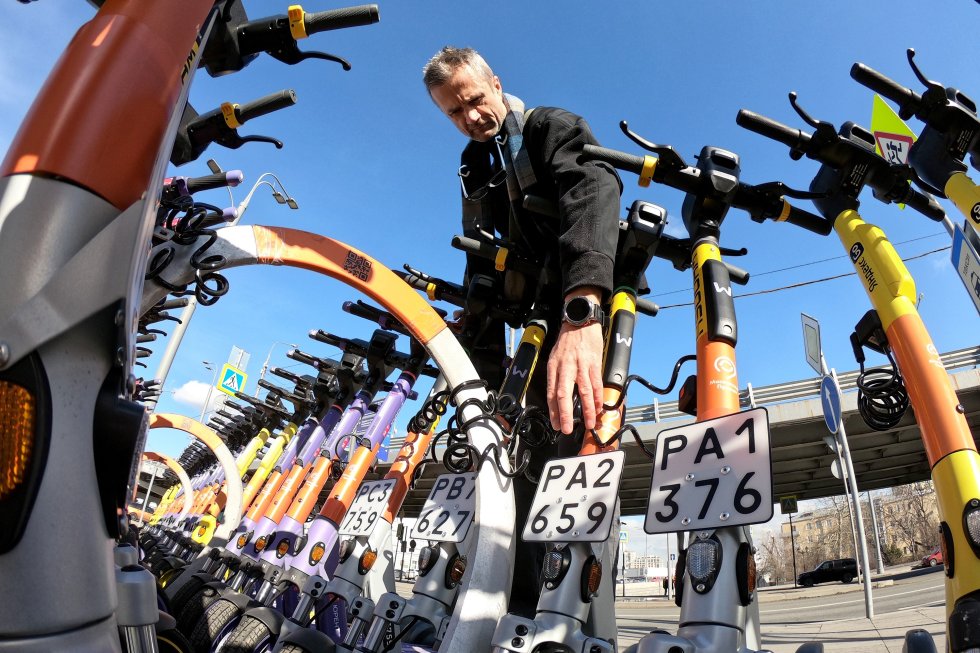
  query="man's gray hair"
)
[{"x": 444, "y": 64}]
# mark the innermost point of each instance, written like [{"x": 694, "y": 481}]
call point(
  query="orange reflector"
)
[
  {"x": 242, "y": 541},
  {"x": 751, "y": 575},
  {"x": 17, "y": 426},
  {"x": 595, "y": 576},
  {"x": 283, "y": 548},
  {"x": 260, "y": 543},
  {"x": 456, "y": 570},
  {"x": 367, "y": 561},
  {"x": 317, "y": 553}
]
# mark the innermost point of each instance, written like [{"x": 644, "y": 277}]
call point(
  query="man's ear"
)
[{"x": 496, "y": 84}]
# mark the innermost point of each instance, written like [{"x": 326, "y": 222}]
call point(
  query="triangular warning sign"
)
[{"x": 893, "y": 138}]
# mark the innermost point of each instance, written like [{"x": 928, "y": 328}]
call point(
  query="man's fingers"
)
[
  {"x": 565, "y": 392},
  {"x": 596, "y": 388},
  {"x": 552, "y": 399},
  {"x": 585, "y": 394}
]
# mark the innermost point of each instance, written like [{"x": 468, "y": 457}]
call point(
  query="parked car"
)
[
  {"x": 933, "y": 559},
  {"x": 842, "y": 569}
]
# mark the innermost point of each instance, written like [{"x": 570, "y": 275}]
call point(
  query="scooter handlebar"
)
[
  {"x": 777, "y": 131},
  {"x": 322, "y": 21}
]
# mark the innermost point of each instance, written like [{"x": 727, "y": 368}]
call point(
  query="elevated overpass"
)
[{"x": 800, "y": 458}]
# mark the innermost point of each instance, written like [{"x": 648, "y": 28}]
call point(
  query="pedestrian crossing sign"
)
[{"x": 232, "y": 380}]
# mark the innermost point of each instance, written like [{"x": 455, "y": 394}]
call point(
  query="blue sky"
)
[{"x": 372, "y": 162}]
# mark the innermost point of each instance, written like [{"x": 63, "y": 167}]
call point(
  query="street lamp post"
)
[
  {"x": 265, "y": 365},
  {"x": 214, "y": 379}
]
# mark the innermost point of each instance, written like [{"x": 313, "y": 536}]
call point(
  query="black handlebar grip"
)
[
  {"x": 321, "y": 21},
  {"x": 491, "y": 252},
  {"x": 219, "y": 180},
  {"x": 264, "y": 105},
  {"x": 360, "y": 309},
  {"x": 176, "y": 302},
  {"x": 412, "y": 280},
  {"x": 809, "y": 221},
  {"x": 273, "y": 387},
  {"x": 926, "y": 205},
  {"x": 289, "y": 376},
  {"x": 737, "y": 274},
  {"x": 900, "y": 95},
  {"x": 301, "y": 357},
  {"x": 328, "y": 338},
  {"x": 615, "y": 158},
  {"x": 795, "y": 138},
  {"x": 646, "y": 307}
]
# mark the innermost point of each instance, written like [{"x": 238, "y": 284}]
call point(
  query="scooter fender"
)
[
  {"x": 271, "y": 617},
  {"x": 306, "y": 638}
]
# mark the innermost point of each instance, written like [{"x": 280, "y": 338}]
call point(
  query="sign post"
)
[{"x": 830, "y": 400}]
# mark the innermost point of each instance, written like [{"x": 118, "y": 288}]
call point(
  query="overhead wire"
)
[{"x": 806, "y": 283}]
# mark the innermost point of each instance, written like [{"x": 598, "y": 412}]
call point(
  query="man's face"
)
[{"x": 474, "y": 103}]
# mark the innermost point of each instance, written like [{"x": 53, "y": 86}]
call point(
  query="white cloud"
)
[{"x": 195, "y": 393}]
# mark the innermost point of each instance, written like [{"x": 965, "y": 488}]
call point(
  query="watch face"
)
[{"x": 578, "y": 309}]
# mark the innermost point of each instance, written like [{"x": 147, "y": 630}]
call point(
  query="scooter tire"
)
[{"x": 247, "y": 637}]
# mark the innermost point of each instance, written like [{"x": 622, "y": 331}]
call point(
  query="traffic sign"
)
[
  {"x": 787, "y": 505},
  {"x": 232, "y": 380},
  {"x": 830, "y": 400},
  {"x": 623, "y": 536},
  {"x": 811, "y": 342},
  {"x": 967, "y": 263}
]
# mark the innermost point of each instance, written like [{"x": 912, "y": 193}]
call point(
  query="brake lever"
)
[
  {"x": 255, "y": 138},
  {"x": 668, "y": 155},
  {"x": 727, "y": 251},
  {"x": 291, "y": 54},
  {"x": 422, "y": 276},
  {"x": 928, "y": 83}
]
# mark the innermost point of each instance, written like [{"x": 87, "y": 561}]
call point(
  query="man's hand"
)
[{"x": 576, "y": 360}]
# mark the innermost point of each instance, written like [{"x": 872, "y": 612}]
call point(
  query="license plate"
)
[
  {"x": 576, "y": 499},
  {"x": 369, "y": 502},
  {"x": 448, "y": 512},
  {"x": 711, "y": 474}
]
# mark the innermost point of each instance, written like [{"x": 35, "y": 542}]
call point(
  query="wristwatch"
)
[{"x": 580, "y": 311}]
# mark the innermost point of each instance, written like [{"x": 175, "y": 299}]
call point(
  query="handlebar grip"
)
[
  {"x": 900, "y": 95},
  {"x": 646, "y": 307},
  {"x": 301, "y": 357},
  {"x": 176, "y": 302},
  {"x": 615, "y": 158},
  {"x": 289, "y": 376},
  {"x": 327, "y": 338},
  {"x": 273, "y": 387},
  {"x": 360, "y": 309},
  {"x": 809, "y": 221},
  {"x": 926, "y": 205},
  {"x": 412, "y": 280},
  {"x": 219, "y": 180},
  {"x": 321, "y": 21},
  {"x": 264, "y": 105},
  {"x": 492, "y": 252},
  {"x": 737, "y": 274},
  {"x": 146, "y": 337},
  {"x": 777, "y": 131}
]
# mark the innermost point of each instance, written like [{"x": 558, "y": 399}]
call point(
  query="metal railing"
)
[{"x": 791, "y": 391}]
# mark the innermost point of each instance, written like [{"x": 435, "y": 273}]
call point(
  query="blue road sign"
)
[
  {"x": 232, "y": 380},
  {"x": 830, "y": 400}
]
